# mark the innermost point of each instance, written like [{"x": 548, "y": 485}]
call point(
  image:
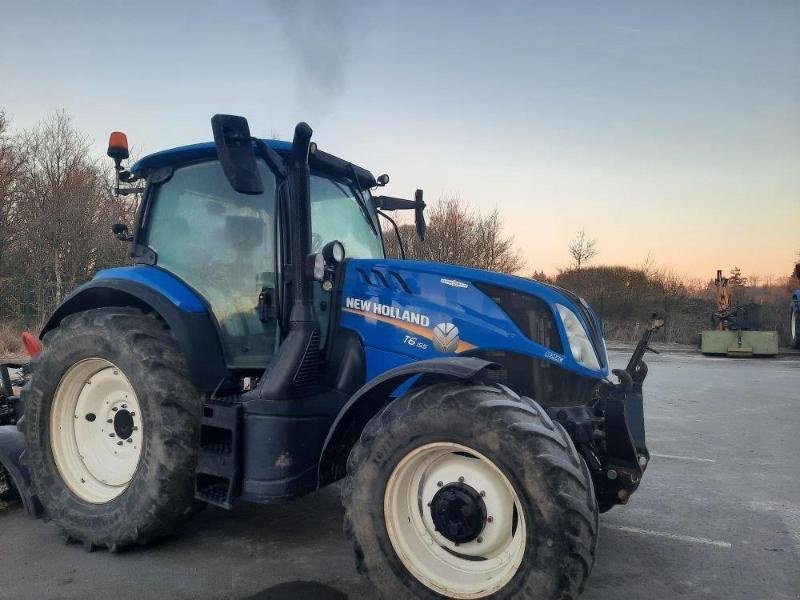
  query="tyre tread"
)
[
  {"x": 149, "y": 340},
  {"x": 566, "y": 473}
]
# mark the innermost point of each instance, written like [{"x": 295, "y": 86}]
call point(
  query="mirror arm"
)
[
  {"x": 128, "y": 191},
  {"x": 272, "y": 158},
  {"x": 392, "y": 203}
]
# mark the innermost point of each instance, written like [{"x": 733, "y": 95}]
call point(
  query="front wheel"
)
[
  {"x": 794, "y": 325},
  {"x": 467, "y": 491}
]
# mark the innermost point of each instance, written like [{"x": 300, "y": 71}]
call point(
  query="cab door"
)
[{"x": 222, "y": 244}]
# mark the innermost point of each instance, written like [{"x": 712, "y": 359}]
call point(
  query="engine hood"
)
[{"x": 425, "y": 309}]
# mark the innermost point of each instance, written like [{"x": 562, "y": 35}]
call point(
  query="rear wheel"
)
[
  {"x": 112, "y": 425},
  {"x": 467, "y": 491}
]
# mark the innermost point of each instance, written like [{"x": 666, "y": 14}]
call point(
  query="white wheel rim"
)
[
  {"x": 473, "y": 569},
  {"x": 794, "y": 325},
  {"x": 96, "y": 430}
]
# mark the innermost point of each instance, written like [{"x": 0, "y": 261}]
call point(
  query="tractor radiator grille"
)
[
  {"x": 531, "y": 314},
  {"x": 541, "y": 380}
]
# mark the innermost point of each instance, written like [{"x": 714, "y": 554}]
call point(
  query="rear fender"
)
[
  {"x": 375, "y": 395},
  {"x": 156, "y": 290}
]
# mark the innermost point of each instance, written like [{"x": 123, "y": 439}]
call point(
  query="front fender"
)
[
  {"x": 373, "y": 396},
  {"x": 151, "y": 288}
]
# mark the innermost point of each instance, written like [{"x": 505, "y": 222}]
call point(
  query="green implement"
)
[{"x": 739, "y": 343}]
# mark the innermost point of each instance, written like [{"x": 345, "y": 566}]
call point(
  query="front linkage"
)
[
  {"x": 14, "y": 474},
  {"x": 609, "y": 432}
]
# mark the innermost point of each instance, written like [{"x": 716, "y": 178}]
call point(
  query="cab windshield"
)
[{"x": 338, "y": 212}]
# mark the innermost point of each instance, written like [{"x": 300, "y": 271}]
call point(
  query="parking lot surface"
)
[{"x": 717, "y": 514}]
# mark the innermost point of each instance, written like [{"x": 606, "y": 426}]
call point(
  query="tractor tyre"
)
[
  {"x": 112, "y": 425},
  {"x": 794, "y": 327},
  {"x": 463, "y": 490}
]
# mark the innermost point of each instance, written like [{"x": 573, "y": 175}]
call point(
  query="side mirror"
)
[
  {"x": 418, "y": 204},
  {"x": 236, "y": 154}
]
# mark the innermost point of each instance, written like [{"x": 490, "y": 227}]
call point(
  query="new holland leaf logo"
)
[{"x": 445, "y": 337}]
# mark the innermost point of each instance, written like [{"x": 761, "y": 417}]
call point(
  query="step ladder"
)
[{"x": 218, "y": 475}]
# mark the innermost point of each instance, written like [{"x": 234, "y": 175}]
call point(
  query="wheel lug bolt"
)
[
  {"x": 133, "y": 414},
  {"x": 111, "y": 435},
  {"x": 479, "y": 540},
  {"x": 490, "y": 519},
  {"x": 440, "y": 484},
  {"x": 483, "y": 493},
  {"x": 130, "y": 440},
  {"x": 115, "y": 409},
  {"x": 109, "y": 420},
  {"x": 119, "y": 443},
  {"x": 135, "y": 428},
  {"x": 461, "y": 479},
  {"x": 124, "y": 406}
]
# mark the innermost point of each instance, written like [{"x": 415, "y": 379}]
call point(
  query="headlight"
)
[{"x": 582, "y": 350}]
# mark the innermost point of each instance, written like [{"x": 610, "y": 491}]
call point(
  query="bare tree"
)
[
  {"x": 65, "y": 212},
  {"x": 582, "y": 250},
  {"x": 459, "y": 235},
  {"x": 12, "y": 159},
  {"x": 541, "y": 276},
  {"x": 737, "y": 279}
]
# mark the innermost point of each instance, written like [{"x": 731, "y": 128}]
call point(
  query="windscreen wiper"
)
[{"x": 361, "y": 204}]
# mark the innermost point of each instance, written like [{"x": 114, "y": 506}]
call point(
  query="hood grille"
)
[{"x": 532, "y": 315}]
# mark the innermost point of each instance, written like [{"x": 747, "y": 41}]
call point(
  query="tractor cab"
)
[{"x": 233, "y": 248}]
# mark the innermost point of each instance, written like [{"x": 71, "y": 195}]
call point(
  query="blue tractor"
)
[{"x": 262, "y": 346}]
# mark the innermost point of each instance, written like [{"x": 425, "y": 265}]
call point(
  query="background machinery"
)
[{"x": 735, "y": 330}]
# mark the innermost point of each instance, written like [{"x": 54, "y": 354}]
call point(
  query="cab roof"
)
[
  {"x": 190, "y": 153},
  {"x": 321, "y": 161}
]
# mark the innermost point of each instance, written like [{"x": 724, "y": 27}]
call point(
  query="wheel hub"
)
[
  {"x": 458, "y": 512},
  {"x": 123, "y": 424},
  {"x": 455, "y": 520}
]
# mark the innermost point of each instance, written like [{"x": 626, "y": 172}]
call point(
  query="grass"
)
[{"x": 10, "y": 341}]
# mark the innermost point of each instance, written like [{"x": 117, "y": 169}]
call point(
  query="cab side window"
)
[{"x": 222, "y": 244}]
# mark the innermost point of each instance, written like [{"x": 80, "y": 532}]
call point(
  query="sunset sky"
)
[{"x": 668, "y": 128}]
